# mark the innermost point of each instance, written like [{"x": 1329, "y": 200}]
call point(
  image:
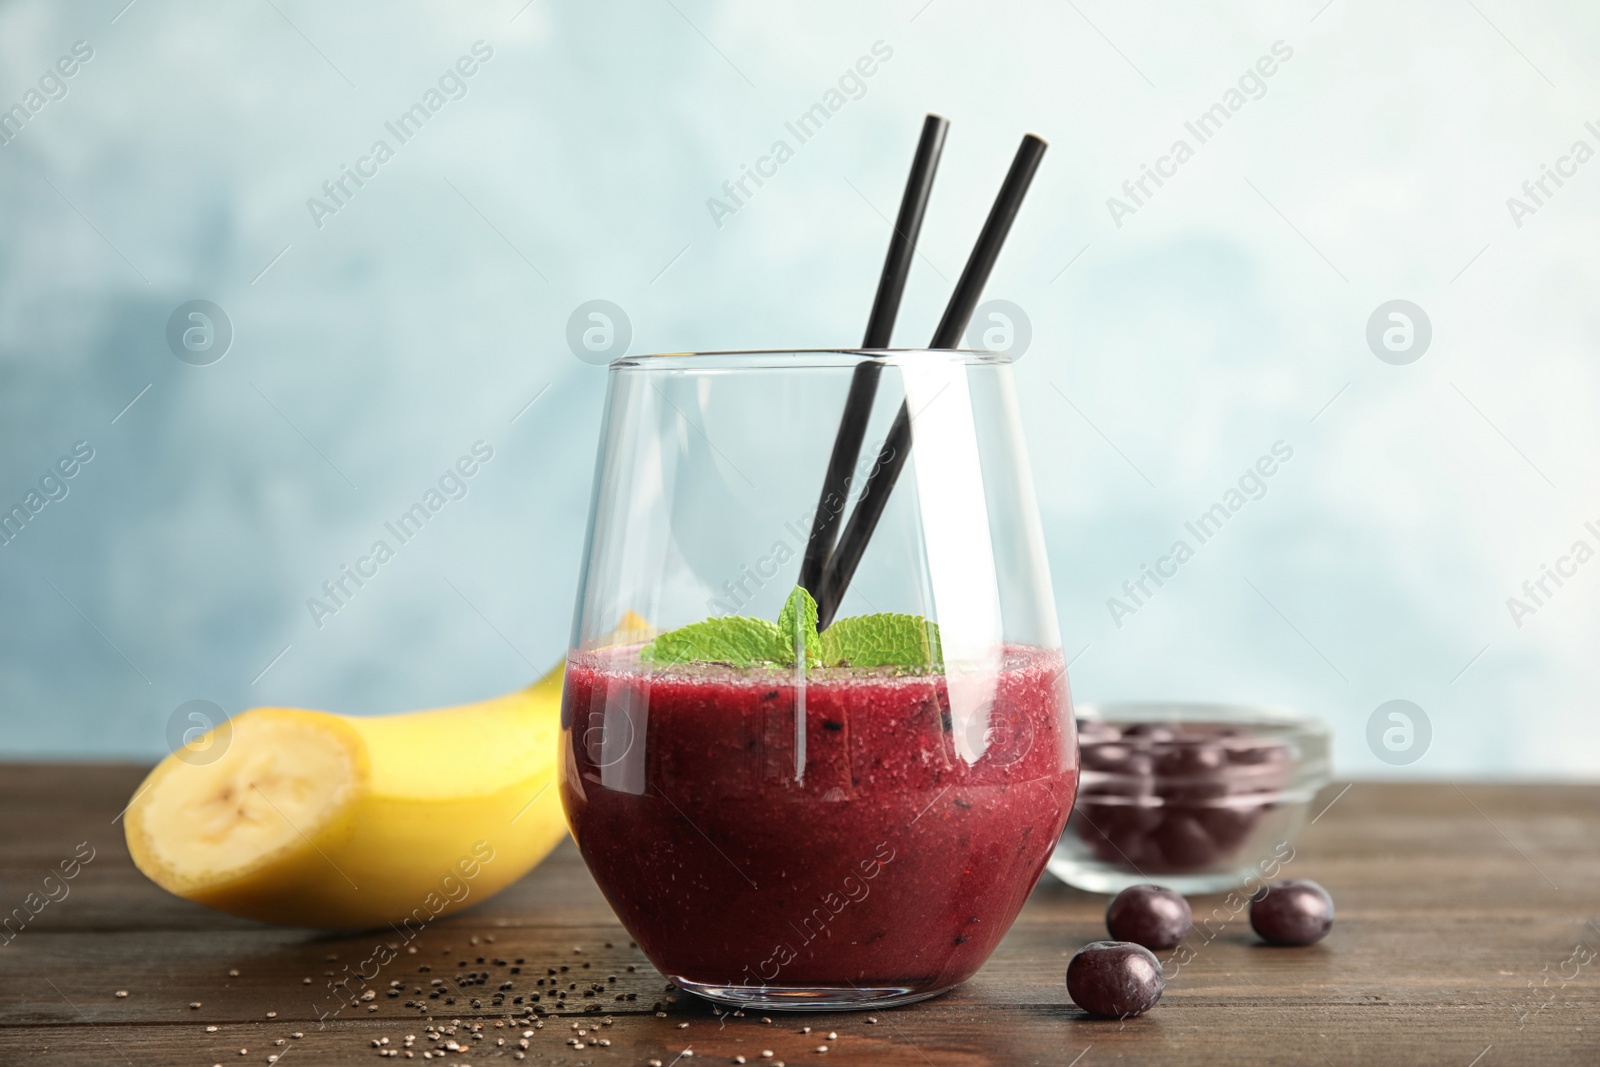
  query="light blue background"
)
[{"x": 1168, "y": 353}]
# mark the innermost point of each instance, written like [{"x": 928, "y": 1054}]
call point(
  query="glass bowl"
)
[{"x": 1195, "y": 797}]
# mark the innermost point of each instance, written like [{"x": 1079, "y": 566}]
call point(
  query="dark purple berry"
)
[
  {"x": 1184, "y": 843},
  {"x": 1184, "y": 760},
  {"x": 1114, "y": 979},
  {"x": 1292, "y": 913},
  {"x": 1149, "y": 915},
  {"x": 1141, "y": 768},
  {"x": 1228, "y": 827},
  {"x": 1192, "y": 792}
]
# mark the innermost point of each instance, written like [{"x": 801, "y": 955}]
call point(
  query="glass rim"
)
[
  {"x": 1160, "y": 712},
  {"x": 1309, "y": 736},
  {"x": 804, "y": 358}
]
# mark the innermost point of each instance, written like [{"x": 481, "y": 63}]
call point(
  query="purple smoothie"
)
[{"x": 744, "y": 854}]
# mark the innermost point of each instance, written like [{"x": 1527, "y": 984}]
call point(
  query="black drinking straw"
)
[
  {"x": 897, "y": 447},
  {"x": 880, "y": 326}
]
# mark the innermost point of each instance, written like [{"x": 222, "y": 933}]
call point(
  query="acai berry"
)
[
  {"x": 1114, "y": 979},
  {"x": 1292, "y": 913},
  {"x": 1149, "y": 915}
]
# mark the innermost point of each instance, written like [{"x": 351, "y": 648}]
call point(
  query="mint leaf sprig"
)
[{"x": 909, "y": 642}]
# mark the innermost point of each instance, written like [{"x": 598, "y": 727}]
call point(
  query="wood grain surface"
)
[{"x": 1468, "y": 933}]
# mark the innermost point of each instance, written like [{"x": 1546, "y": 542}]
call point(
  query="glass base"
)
[{"x": 808, "y": 998}]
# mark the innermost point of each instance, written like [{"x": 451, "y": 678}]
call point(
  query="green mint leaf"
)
[
  {"x": 735, "y": 639},
  {"x": 798, "y": 622},
  {"x": 882, "y": 641},
  {"x": 885, "y": 640}
]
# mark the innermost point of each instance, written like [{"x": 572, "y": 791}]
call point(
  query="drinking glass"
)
[{"x": 844, "y": 835}]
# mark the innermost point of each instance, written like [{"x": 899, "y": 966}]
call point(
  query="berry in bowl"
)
[{"x": 1196, "y": 796}]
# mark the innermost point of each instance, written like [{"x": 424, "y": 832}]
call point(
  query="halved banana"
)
[{"x": 313, "y": 819}]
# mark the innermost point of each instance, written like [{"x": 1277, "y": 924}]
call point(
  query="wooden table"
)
[{"x": 1468, "y": 931}]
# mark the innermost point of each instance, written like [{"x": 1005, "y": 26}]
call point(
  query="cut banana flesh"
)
[{"x": 286, "y": 779}]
